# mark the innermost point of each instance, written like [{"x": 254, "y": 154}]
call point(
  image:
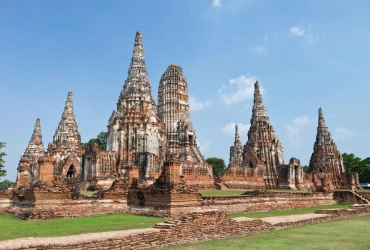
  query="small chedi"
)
[
  {"x": 152, "y": 163},
  {"x": 326, "y": 163}
]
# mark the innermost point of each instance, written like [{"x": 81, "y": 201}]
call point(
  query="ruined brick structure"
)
[
  {"x": 28, "y": 168},
  {"x": 326, "y": 163},
  {"x": 174, "y": 111},
  {"x": 66, "y": 147},
  {"x": 236, "y": 151},
  {"x": 134, "y": 130},
  {"x": 257, "y": 165}
]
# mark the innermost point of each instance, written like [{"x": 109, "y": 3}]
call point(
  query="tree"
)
[
  {"x": 2, "y": 154},
  {"x": 217, "y": 164},
  {"x": 6, "y": 184},
  {"x": 356, "y": 164},
  {"x": 101, "y": 140},
  {"x": 305, "y": 169}
]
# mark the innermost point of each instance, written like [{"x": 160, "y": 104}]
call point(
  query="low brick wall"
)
[
  {"x": 276, "y": 201},
  {"x": 194, "y": 226}
]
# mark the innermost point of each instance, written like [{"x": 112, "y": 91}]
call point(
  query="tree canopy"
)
[
  {"x": 101, "y": 140},
  {"x": 2, "y": 154},
  {"x": 5, "y": 184},
  {"x": 356, "y": 164},
  {"x": 217, "y": 164}
]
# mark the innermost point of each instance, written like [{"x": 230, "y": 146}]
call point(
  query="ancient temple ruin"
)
[
  {"x": 152, "y": 159},
  {"x": 174, "y": 111},
  {"x": 134, "y": 130},
  {"x": 326, "y": 163}
]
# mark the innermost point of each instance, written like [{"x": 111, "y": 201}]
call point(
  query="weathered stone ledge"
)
[{"x": 194, "y": 226}]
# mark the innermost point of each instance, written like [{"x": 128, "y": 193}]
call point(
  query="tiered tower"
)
[
  {"x": 67, "y": 143},
  {"x": 326, "y": 163},
  {"x": 134, "y": 130},
  {"x": 236, "y": 151},
  {"x": 262, "y": 141},
  {"x": 35, "y": 150},
  {"x": 174, "y": 111}
]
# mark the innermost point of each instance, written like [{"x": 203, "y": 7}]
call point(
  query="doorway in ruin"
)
[
  {"x": 296, "y": 176},
  {"x": 71, "y": 171}
]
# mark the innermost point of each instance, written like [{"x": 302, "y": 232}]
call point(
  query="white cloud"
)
[
  {"x": 258, "y": 49},
  {"x": 205, "y": 145},
  {"x": 306, "y": 34},
  {"x": 198, "y": 105},
  {"x": 301, "y": 121},
  {"x": 216, "y": 3},
  {"x": 293, "y": 135},
  {"x": 238, "y": 89},
  {"x": 296, "y": 31},
  {"x": 343, "y": 134},
  {"x": 230, "y": 128},
  {"x": 294, "y": 130}
]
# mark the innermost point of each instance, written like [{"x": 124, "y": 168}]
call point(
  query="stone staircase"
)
[
  {"x": 168, "y": 224},
  {"x": 362, "y": 198},
  {"x": 196, "y": 154},
  {"x": 221, "y": 186}
]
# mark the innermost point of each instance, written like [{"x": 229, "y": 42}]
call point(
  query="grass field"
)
[
  {"x": 306, "y": 210},
  {"x": 338, "y": 235},
  {"x": 12, "y": 227},
  {"x": 227, "y": 192}
]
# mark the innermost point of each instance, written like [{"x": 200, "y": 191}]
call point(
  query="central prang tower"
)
[{"x": 134, "y": 130}]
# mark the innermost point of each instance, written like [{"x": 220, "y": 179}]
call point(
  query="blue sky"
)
[{"x": 305, "y": 54}]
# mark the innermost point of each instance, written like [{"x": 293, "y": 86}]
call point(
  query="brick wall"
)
[{"x": 194, "y": 226}]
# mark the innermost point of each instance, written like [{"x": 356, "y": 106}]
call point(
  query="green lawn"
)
[
  {"x": 227, "y": 192},
  {"x": 333, "y": 235},
  {"x": 12, "y": 227},
  {"x": 306, "y": 210}
]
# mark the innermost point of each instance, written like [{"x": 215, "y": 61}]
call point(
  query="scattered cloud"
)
[
  {"x": 343, "y": 134},
  {"x": 230, "y": 128},
  {"x": 296, "y": 31},
  {"x": 294, "y": 130},
  {"x": 204, "y": 145},
  {"x": 305, "y": 33},
  {"x": 216, "y": 3},
  {"x": 258, "y": 49},
  {"x": 238, "y": 89},
  {"x": 198, "y": 105}
]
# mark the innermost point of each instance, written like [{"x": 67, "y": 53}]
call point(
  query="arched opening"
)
[
  {"x": 71, "y": 171},
  {"x": 296, "y": 175}
]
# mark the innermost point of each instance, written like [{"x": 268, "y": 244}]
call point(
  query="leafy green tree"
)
[
  {"x": 101, "y": 140},
  {"x": 2, "y": 154},
  {"x": 305, "y": 169},
  {"x": 217, "y": 164},
  {"x": 356, "y": 164},
  {"x": 5, "y": 184}
]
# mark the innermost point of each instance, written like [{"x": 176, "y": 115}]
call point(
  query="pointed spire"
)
[
  {"x": 67, "y": 130},
  {"x": 321, "y": 118},
  {"x": 68, "y": 113},
  {"x": 259, "y": 110},
  {"x": 323, "y": 135},
  {"x": 137, "y": 80},
  {"x": 35, "y": 147},
  {"x": 237, "y": 141}
]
